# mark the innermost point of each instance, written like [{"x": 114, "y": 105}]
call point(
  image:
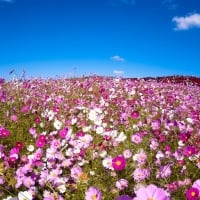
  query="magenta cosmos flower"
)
[
  {"x": 189, "y": 151},
  {"x": 93, "y": 193},
  {"x": 41, "y": 141},
  {"x": 192, "y": 194},
  {"x": 151, "y": 192},
  {"x": 119, "y": 163}
]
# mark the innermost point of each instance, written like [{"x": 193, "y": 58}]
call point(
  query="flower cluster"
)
[{"x": 98, "y": 138}]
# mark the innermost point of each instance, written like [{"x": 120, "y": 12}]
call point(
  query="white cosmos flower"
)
[
  {"x": 103, "y": 154},
  {"x": 92, "y": 173},
  {"x": 24, "y": 196},
  {"x": 41, "y": 124},
  {"x": 86, "y": 129},
  {"x": 181, "y": 143},
  {"x": 73, "y": 121},
  {"x": 62, "y": 188},
  {"x": 57, "y": 124},
  {"x": 92, "y": 115},
  {"x": 51, "y": 115},
  {"x": 189, "y": 120},
  {"x": 107, "y": 162},
  {"x": 30, "y": 148},
  {"x": 121, "y": 137},
  {"x": 99, "y": 130}
]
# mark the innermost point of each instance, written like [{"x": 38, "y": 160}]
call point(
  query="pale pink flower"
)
[
  {"x": 93, "y": 193},
  {"x": 122, "y": 184},
  {"x": 136, "y": 138}
]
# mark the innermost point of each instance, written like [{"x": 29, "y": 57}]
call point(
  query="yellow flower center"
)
[
  {"x": 193, "y": 194},
  {"x": 118, "y": 162},
  {"x": 151, "y": 198},
  {"x": 94, "y": 197}
]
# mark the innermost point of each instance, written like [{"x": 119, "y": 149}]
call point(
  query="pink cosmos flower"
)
[
  {"x": 154, "y": 144},
  {"x": 93, "y": 193},
  {"x": 189, "y": 151},
  {"x": 184, "y": 137},
  {"x": 127, "y": 153},
  {"x": 119, "y": 163},
  {"x": 155, "y": 125},
  {"x": 4, "y": 133},
  {"x": 192, "y": 194},
  {"x": 19, "y": 145},
  {"x": 122, "y": 184},
  {"x": 65, "y": 133},
  {"x": 25, "y": 109},
  {"x": 135, "y": 114},
  {"x": 33, "y": 132},
  {"x": 136, "y": 138},
  {"x": 140, "y": 174},
  {"x": 28, "y": 181},
  {"x": 13, "y": 118},
  {"x": 140, "y": 157},
  {"x": 55, "y": 144},
  {"x": 165, "y": 171},
  {"x": 41, "y": 141},
  {"x": 76, "y": 171},
  {"x": 151, "y": 192}
]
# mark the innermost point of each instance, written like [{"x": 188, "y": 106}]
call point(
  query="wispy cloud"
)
[
  {"x": 118, "y": 72},
  {"x": 170, "y": 4},
  {"x": 187, "y": 22},
  {"x": 117, "y": 58}
]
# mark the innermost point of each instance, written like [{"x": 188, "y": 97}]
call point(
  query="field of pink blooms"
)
[{"x": 98, "y": 138}]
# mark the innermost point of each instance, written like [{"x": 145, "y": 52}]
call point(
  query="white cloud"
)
[
  {"x": 117, "y": 58},
  {"x": 118, "y": 72},
  {"x": 185, "y": 23}
]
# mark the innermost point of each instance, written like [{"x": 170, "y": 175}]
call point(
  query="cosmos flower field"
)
[{"x": 98, "y": 138}]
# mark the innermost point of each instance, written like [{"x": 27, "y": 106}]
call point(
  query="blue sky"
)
[{"x": 133, "y": 38}]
